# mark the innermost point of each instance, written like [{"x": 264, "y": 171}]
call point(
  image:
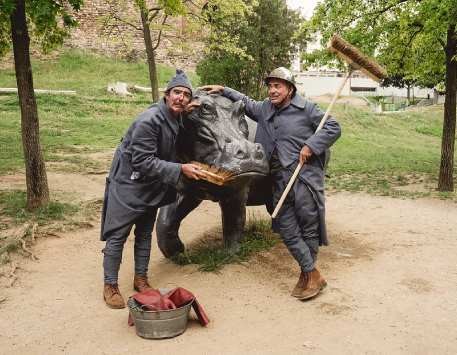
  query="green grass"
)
[
  {"x": 209, "y": 255},
  {"x": 379, "y": 152},
  {"x": 56, "y": 216},
  {"x": 13, "y": 213},
  {"x": 13, "y": 205},
  {"x": 88, "y": 74},
  {"x": 91, "y": 121},
  {"x": 376, "y": 153}
]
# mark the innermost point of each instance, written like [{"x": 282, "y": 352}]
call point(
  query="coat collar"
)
[
  {"x": 297, "y": 101},
  {"x": 169, "y": 118}
]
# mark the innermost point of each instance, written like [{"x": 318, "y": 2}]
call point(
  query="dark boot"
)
[
  {"x": 113, "y": 297},
  {"x": 140, "y": 283},
  {"x": 309, "y": 285}
]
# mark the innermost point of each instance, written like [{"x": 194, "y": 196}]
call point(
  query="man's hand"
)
[
  {"x": 192, "y": 106},
  {"x": 212, "y": 89},
  {"x": 191, "y": 171},
  {"x": 305, "y": 154}
]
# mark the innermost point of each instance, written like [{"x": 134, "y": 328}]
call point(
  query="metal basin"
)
[{"x": 158, "y": 324}]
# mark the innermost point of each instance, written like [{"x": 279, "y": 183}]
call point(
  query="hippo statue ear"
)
[
  {"x": 238, "y": 109},
  {"x": 199, "y": 92}
]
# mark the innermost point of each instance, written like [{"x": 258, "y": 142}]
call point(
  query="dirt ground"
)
[{"x": 391, "y": 270}]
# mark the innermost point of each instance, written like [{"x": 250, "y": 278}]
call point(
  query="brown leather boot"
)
[
  {"x": 309, "y": 285},
  {"x": 140, "y": 283},
  {"x": 301, "y": 283},
  {"x": 113, "y": 297}
]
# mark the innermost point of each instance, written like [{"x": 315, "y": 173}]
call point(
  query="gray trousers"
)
[
  {"x": 144, "y": 224},
  {"x": 298, "y": 221}
]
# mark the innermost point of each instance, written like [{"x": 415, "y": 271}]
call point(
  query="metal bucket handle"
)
[{"x": 142, "y": 306}]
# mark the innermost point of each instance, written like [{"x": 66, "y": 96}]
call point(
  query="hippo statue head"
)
[{"x": 216, "y": 133}]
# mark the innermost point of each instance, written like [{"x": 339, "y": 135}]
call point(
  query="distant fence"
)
[{"x": 321, "y": 83}]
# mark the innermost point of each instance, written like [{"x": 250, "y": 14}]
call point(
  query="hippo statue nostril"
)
[
  {"x": 258, "y": 155},
  {"x": 241, "y": 154},
  {"x": 228, "y": 140}
]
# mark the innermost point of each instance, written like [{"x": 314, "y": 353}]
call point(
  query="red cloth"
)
[{"x": 153, "y": 300}]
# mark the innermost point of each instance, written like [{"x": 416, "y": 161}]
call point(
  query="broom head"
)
[{"x": 355, "y": 58}]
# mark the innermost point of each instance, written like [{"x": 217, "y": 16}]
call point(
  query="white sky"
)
[{"x": 305, "y": 6}]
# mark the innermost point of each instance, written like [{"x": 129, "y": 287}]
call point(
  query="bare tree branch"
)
[
  {"x": 116, "y": 17},
  {"x": 155, "y": 9},
  {"x": 160, "y": 33},
  {"x": 154, "y": 13},
  {"x": 411, "y": 39}
]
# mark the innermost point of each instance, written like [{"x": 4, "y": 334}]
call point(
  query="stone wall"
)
[{"x": 124, "y": 40}]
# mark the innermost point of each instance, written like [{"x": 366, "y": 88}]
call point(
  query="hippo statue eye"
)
[{"x": 206, "y": 107}]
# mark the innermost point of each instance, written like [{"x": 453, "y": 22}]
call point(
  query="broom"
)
[{"x": 356, "y": 61}]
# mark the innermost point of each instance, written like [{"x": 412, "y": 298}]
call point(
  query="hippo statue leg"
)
[
  {"x": 233, "y": 210},
  {"x": 169, "y": 221}
]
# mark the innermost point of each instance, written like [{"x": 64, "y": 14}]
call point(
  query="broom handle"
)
[{"x": 321, "y": 124}]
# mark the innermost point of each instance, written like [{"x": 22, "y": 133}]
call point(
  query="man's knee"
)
[{"x": 112, "y": 253}]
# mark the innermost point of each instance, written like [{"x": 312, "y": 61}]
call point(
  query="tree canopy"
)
[
  {"x": 48, "y": 21},
  {"x": 407, "y": 36},
  {"x": 258, "y": 39},
  {"x": 415, "y": 39}
]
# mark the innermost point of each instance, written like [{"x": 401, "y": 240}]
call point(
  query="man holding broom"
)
[{"x": 286, "y": 128}]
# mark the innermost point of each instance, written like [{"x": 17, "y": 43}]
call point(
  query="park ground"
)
[
  {"x": 390, "y": 268},
  {"x": 390, "y": 265}
]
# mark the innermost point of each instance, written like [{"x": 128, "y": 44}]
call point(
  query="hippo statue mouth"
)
[
  {"x": 223, "y": 177},
  {"x": 249, "y": 174}
]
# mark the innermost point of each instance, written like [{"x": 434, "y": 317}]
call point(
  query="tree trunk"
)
[
  {"x": 408, "y": 93},
  {"x": 35, "y": 171},
  {"x": 150, "y": 53},
  {"x": 445, "y": 181}
]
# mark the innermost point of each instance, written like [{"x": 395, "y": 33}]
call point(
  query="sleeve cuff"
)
[{"x": 172, "y": 173}]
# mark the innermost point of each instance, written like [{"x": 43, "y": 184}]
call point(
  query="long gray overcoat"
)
[
  {"x": 289, "y": 129},
  {"x": 144, "y": 172}
]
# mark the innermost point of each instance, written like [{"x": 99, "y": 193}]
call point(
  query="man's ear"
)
[{"x": 291, "y": 92}]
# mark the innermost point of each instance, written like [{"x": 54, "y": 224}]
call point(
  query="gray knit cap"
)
[{"x": 180, "y": 79}]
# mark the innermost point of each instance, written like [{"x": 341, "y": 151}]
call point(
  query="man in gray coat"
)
[
  {"x": 143, "y": 176},
  {"x": 286, "y": 128}
]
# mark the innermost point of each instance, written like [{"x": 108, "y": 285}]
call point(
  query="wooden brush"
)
[
  {"x": 356, "y": 61},
  {"x": 355, "y": 58},
  {"x": 214, "y": 174}
]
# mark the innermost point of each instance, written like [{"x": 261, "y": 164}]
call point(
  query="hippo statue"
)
[{"x": 215, "y": 133}]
